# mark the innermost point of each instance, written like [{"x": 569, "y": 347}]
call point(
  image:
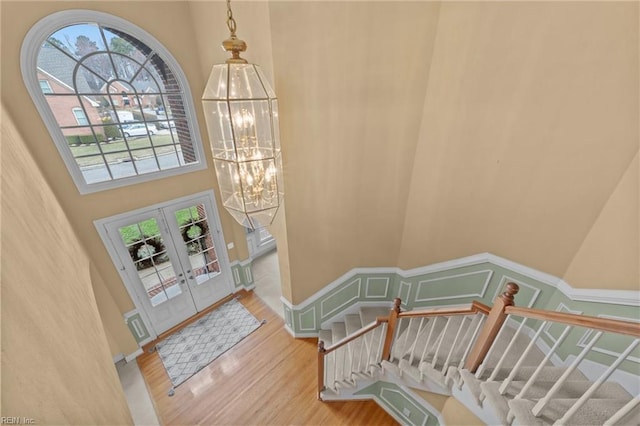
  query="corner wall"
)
[
  {"x": 530, "y": 121},
  {"x": 56, "y": 362}
]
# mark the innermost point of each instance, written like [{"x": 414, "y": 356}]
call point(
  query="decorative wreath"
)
[
  {"x": 197, "y": 230},
  {"x": 140, "y": 254},
  {"x": 193, "y": 233}
]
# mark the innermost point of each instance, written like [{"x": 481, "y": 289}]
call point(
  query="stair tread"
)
[
  {"x": 569, "y": 389},
  {"x": 368, "y": 314},
  {"x": 326, "y": 337},
  {"x": 338, "y": 331},
  {"x": 593, "y": 412},
  {"x": 352, "y": 323}
]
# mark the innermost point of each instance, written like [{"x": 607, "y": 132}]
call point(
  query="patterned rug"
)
[{"x": 192, "y": 348}]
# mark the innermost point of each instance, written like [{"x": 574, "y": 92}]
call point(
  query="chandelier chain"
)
[{"x": 231, "y": 23}]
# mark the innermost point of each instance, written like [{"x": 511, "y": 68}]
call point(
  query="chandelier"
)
[{"x": 241, "y": 113}]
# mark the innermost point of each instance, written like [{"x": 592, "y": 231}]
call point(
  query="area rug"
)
[{"x": 192, "y": 348}]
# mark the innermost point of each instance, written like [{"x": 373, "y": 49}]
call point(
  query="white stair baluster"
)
[
  {"x": 350, "y": 355},
  {"x": 623, "y": 412},
  {"x": 514, "y": 370},
  {"x": 415, "y": 341},
  {"x": 548, "y": 356},
  {"x": 453, "y": 345},
  {"x": 537, "y": 409},
  {"x": 483, "y": 366},
  {"x": 426, "y": 345},
  {"x": 594, "y": 387},
  {"x": 363, "y": 344},
  {"x": 406, "y": 336},
  {"x": 506, "y": 352},
  {"x": 442, "y": 336},
  {"x": 474, "y": 335}
]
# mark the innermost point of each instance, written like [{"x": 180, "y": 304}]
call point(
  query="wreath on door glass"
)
[
  {"x": 194, "y": 233},
  {"x": 142, "y": 251}
]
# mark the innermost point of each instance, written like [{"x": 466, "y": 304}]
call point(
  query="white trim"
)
[
  {"x": 404, "y": 301},
  {"x": 560, "y": 308},
  {"x": 506, "y": 278},
  {"x": 315, "y": 322},
  {"x": 386, "y": 289},
  {"x": 324, "y": 314},
  {"x": 582, "y": 342},
  {"x": 594, "y": 370},
  {"x": 484, "y": 412},
  {"x": 28, "y": 65},
  {"x": 459, "y": 296},
  {"x": 214, "y": 218},
  {"x": 355, "y": 309},
  {"x": 299, "y": 335},
  {"x": 340, "y": 281},
  {"x": 405, "y": 398},
  {"x": 134, "y": 355},
  {"x": 616, "y": 297},
  {"x": 117, "y": 358}
]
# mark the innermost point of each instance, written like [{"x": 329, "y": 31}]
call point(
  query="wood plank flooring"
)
[{"x": 267, "y": 379}]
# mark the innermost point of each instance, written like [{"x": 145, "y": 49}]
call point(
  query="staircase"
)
[{"x": 517, "y": 380}]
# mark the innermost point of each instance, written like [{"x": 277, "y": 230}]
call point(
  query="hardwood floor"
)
[{"x": 269, "y": 378}]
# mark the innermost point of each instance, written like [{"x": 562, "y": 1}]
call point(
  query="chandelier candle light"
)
[{"x": 241, "y": 112}]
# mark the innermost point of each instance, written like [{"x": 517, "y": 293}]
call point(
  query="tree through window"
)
[{"x": 121, "y": 111}]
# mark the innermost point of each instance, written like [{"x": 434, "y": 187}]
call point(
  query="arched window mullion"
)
[{"x": 80, "y": 85}]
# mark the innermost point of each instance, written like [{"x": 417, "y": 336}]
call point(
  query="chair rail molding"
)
[{"x": 448, "y": 284}]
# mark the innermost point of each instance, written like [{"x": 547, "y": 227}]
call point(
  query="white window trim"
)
[
  {"x": 40, "y": 81},
  {"x": 28, "y": 63},
  {"x": 75, "y": 111}
]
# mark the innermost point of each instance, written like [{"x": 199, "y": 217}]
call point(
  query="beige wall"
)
[
  {"x": 351, "y": 78},
  {"x": 412, "y": 133},
  {"x": 527, "y": 130},
  {"x": 171, "y": 24},
  {"x": 610, "y": 253},
  {"x": 56, "y": 363}
]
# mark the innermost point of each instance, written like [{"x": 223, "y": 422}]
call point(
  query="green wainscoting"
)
[
  {"x": 137, "y": 327},
  {"x": 400, "y": 404},
  {"x": 242, "y": 273},
  {"x": 483, "y": 278}
]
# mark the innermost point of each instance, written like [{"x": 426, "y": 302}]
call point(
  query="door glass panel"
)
[
  {"x": 148, "y": 252},
  {"x": 196, "y": 236}
]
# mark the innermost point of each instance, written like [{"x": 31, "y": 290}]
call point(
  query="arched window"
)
[{"x": 115, "y": 101}]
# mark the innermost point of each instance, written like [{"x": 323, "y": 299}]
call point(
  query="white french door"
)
[{"x": 171, "y": 257}]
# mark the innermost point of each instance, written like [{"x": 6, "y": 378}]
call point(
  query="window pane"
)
[
  {"x": 98, "y": 81},
  {"x": 197, "y": 238},
  {"x": 148, "y": 253},
  {"x": 45, "y": 86},
  {"x": 81, "y": 118}
]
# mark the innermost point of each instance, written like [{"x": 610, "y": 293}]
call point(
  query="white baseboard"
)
[
  {"x": 299, "y": 335},
  {"x": 134, "y": 355},
  {"x": 117, "y": 358}
]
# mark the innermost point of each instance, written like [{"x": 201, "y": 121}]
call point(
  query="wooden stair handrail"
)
[
  {"x": 492, "y": 326},
  {"x": 322, "y": 351},
  {"x": 598, "y": 323},
  {"x": 351, "y": 337},
  {"x": 470, "y": 308}
]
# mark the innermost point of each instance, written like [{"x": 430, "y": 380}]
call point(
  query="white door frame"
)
[{"x": 214, "y": 220}]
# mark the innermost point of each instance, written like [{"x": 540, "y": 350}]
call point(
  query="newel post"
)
[
  {"x": 391, "y": 328},
  {"x": 491, "y": 327},
  {"x": 321, "y": 353}
]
